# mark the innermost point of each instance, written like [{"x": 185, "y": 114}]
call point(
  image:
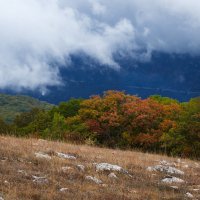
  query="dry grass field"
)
[{"x": 20, "y": 170}]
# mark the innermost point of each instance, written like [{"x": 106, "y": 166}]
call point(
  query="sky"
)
[{"x": 37, "y": 37}]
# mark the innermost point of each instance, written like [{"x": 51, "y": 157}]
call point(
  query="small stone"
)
[
  {"x": 164, "y": 162},
  {"x": 132, "y": 191},
  {"x": 42, "y": 155},
  {"x": 64, "y": 189},
  {"x": 110, "y": 167},
  {"x": 22, "y": 172},
  {"x": 81, "y": 167},
  {"x": 174, "y": 187},
  {"x": 112, "y": 175},
  {"x": 189, "y": 195},
  {"x": 197, "y": 165},
  {"x": 65, "y": 169},
  {"x": 94, "y": 179},
  {"x": 173, "y": 180},
  {"x": 104, "y": 185},
  {"x": 66, "y": 156},
  {"x": 41, "y": 140},
  {"x": 40, "y": 180},
  {"x": 4, "y": 159},
  {"x": 154, "y": 174}
]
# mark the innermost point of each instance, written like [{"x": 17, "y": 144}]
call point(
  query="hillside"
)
[
  {"x": 38, "y": 169},
  {"x": 12, "y": 105}
]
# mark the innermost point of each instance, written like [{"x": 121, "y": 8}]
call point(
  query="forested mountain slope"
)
[{"x": 12, "y": 105}]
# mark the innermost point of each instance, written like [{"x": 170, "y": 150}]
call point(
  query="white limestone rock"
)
[
  {"x": 110, "y": 167},
  {"x": 113, "y": 176},
  {"x": 40, "y": 180},
  {"x": 66, "y": 156},
  {"x": 64, "y": 189},
  {"x": 6, "y": 182},
  {"x": 22, "y": 172},
  {"x": 81, "y": 167},
  {"x": 172, "y": 180},
  {"x": 165, "y": 163},
  {"x": 41, "y": 140},
  {"x": 3, "y": 159},
  {"x": 42, "y": 155},
  {"x": 197, "y": 165},
  {"x": 189, "y": 195},
  {"x": 65, "y": 169},
  {"x": 166, "y": 169},
  {"x": 94, "y": 179},
  {"x": 174, "y": 187}
]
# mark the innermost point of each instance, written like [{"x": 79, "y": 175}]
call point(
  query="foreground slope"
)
[{"x": 37, "y": 169}]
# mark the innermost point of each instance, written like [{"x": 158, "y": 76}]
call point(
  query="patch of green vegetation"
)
[{"x": 13, "y": 105}]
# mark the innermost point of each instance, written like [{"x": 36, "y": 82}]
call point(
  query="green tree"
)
[{"x": 69, "y": 108}]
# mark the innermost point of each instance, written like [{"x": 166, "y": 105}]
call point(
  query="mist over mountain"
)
[{"x": 171, "y": 75}]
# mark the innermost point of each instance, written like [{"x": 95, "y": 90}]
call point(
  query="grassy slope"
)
[
  {"x": 11, "y": 105},
  {"x": 18, "y": 154}
]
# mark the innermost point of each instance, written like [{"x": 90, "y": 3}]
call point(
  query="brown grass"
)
[{"x": 18, "y": 154}]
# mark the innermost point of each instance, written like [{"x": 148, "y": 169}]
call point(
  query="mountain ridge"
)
[{"x": 13, "y": 105}]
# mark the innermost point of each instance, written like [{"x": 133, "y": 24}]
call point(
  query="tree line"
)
[{"x": 117, "y": 120}]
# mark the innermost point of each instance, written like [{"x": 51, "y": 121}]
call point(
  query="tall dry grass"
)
[{"x": 18, "y": 154}]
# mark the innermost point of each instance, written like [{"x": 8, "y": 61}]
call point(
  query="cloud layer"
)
[{"x": 36, "y": 33}]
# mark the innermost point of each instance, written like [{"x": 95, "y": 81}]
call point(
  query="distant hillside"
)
[{"x": 11, "y": 105}]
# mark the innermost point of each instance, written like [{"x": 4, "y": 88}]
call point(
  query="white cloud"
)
[
  {"x": 97, "y": 8},
  {"x": 35, "y": 33}
]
